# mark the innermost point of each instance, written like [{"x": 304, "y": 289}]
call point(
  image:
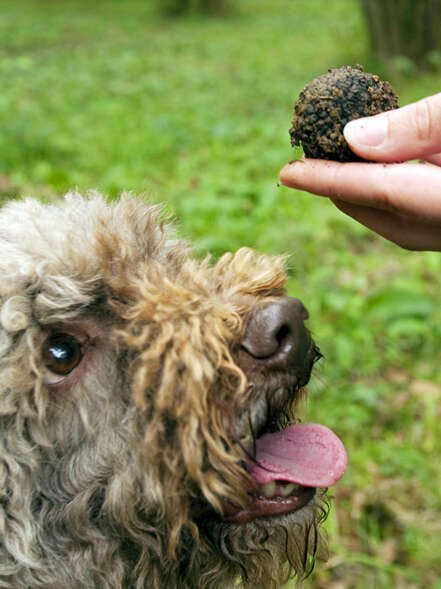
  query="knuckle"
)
[
  {"x": 383, "y": 194},
  {"x": 424, "y": 120},
  {"x": 335, "y": 179},
  {"x": 382, "y": 199}
]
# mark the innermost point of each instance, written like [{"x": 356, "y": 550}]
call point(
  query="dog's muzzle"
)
[{"x": 287, "y": 466}]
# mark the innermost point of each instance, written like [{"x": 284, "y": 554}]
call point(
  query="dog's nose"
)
[{"x": 276, "y": 333}]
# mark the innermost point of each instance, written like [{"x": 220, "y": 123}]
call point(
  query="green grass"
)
[{"x": 195, "y": 112}]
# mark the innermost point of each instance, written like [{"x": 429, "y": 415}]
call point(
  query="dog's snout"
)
[{"x": 276, "y": 333}]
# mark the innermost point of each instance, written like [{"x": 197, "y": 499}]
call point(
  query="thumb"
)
[{"x": 410, "y": 132}]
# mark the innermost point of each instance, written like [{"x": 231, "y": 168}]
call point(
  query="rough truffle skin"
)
[{"x": 330, "y": 101}]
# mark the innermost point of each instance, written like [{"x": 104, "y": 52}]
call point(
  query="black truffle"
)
[{"x": 330, "y": 101}]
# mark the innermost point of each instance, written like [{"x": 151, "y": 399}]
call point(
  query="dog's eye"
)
[{"x": 62, "y": 353}]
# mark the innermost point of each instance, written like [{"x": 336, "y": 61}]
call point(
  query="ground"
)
[{"x": 196, "y": 113}]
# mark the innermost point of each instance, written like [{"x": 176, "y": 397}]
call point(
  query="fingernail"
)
[{"x": 368, "y": 132}]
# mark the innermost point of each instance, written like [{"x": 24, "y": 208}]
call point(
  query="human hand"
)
[{"x": 400, "y": 201}]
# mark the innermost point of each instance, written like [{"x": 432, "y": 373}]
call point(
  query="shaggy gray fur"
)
[{"x": 114, "y": 475}]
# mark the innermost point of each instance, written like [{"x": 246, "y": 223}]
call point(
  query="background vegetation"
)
[{"x": 195, "y": 112}]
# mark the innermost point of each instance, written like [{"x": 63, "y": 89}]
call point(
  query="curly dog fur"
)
[{"x": 115, "y": 474}]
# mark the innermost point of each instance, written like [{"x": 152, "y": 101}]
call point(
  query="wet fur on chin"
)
[
  {"x": 260, "y": 554},
  {"x": 265, "y": 553}
]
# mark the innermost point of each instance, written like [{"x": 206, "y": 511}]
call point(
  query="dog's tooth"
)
[
  {"x": 285, "y": 490},
  {"x": 268, "y": 489}
]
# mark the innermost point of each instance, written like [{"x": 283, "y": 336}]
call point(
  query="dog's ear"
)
[
  {"x": 18, "y": 524},
  {"x": 18, "y": 459},
  {"x": 19, "y": 444}
]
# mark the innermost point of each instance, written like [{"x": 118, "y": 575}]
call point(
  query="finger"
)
[
  {"x": 406, "y": 133},
  {"x": 434, "y": 158},
  {"x": 407, "y": 233},
  {"x": 412, "y": 189}
]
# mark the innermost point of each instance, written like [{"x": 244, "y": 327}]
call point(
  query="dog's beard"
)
[{"x": 266, "y": 552}]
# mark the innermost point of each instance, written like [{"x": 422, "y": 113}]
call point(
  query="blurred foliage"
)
[
  {"x": 195, "y": 112},
  {"x": 180, "y": 7}
]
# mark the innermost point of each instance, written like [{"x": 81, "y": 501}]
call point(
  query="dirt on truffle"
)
[{"x": 330, "y": 101}]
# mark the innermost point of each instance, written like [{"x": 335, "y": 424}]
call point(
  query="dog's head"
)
[{"x": 147, "y": 424}]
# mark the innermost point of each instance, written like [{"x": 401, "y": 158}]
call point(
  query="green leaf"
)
[{"x": 396, "y": 303}]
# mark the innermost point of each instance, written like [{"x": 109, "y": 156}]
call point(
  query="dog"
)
[{"x": 148, "y": 435}]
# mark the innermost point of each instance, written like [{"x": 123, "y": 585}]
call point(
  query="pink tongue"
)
[{"x": 308, "y": 454}]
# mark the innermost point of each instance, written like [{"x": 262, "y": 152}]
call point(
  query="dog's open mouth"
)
[{"x": 289, "y": 466}]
